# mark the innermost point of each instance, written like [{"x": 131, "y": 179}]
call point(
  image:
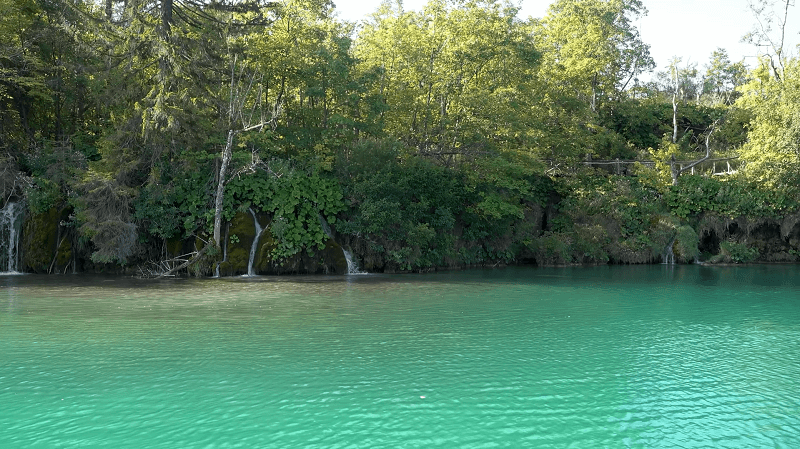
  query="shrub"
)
[
  {"x": 686, "y": 245},
  {"x": 737, "y": 252}
]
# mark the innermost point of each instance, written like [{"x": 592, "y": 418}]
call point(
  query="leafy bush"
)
[
  {"x": 296, "y": 197},
  {"x": 552, "y": 249},
  {"x": 730, "y": 197},
  {"x": 735, "y": 252},
  {"x": 402, "y": 209},
  {"x": 407, "y": 212},
  {"x": 616, "y": 218},
  {"x": 177, "y": 198},
  {"x": 42, "y": 195},
  {"x": 685, "y": 247}
]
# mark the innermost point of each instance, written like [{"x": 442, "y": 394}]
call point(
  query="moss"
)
[
  {"x": 264, "y": 262},
  {"x": 64, "y": 254},
  {"x": 241, "y": 232},
  {"x": 174, "y": 246},
  {"x": 686, "y": 245},
  {"x": 735, "y": 252},
  {"x": 332, "y": 258},
  {"x": 40, "y": 233}
]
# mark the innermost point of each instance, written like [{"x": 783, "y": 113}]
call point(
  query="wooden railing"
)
[{"x": 620, "y": 166}]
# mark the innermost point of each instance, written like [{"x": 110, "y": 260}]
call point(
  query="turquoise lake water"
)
[{"x": 606, "y": 357}]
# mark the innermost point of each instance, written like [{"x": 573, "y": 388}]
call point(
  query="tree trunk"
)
[
  {"x": 676, "y": 170},
  {"x": 675, "y": 116},
  {"x": 226, "y": 158},
  {"x": 166, "y": 16}
]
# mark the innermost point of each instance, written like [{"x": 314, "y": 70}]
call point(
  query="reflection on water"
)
[{"x": 651, "y": 356}]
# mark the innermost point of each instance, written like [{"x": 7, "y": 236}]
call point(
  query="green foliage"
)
[
  {"x": 104, "y": 218},
  {"x": 297, "y": 200},
  {"x": 424, "y": 141},
  {"x": 176, "y": 200},
  {"x": 647, "y": 124},
  {"x": 608, "y": 54},
  {"x": 455, "y": 76},
  {"x": 735, "y": 252},
  {"x": 613, "y": 218},
  {"x": 403, "y": 209},
  {"x": 505, "y": 183},
  {"x": 409, "y": 213},
  {"x": 685, "y": 247},
  {"x": 728, "y": 197},
  {"x": 43, "y": 195},
  {"x": 552, "y": 249},
  {"x": 771, "y": 151},
  {"x": 723, "y": 77}
]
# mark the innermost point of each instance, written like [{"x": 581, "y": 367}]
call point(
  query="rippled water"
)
[{"x": 650, "y": 357}]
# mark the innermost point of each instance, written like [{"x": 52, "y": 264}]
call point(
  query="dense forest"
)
[{"x": 163, "y": 135}]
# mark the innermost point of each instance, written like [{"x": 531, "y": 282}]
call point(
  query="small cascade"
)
[
  {"x": 10, "y": 225},
  {"x": 669, "y": 256},
  {"x": 352, "y": 265},
  {"x": 254, "y": 246}
]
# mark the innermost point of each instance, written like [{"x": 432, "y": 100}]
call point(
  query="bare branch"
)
[{"x": 676, "y": 170}]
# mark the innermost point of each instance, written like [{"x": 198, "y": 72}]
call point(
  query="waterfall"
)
[
  {"x": 669, "y": 256},
  {"x": 254, "y": 246},
  {"x": 10, "y": 224},
  {"x": 352, "y": 265}
]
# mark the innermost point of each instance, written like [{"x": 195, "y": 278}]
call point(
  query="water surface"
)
[{"x": 650, "y": 357}]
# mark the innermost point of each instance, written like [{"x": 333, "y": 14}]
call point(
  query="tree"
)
[
  {"x": 676, "y": 169},
  {"x": 723, "y": 77},
  {"x": 594, "y": 46},
  {"x": 457, "y": 78},
  {"x": 772, "y": 152},
  {"x": 684, "y": 86},
  {"x": 769, "y": 31}
]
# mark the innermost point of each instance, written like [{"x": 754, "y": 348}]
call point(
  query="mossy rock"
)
[
  {"x": 239, "y": 237},
  {"x": 39, "y": 235},
  {"x": 176, "y": 246},
  {"x": 236, "y": 263},
  {"x": 264, "y": 263},
  {"x": 63, "y": 255},
  {"x": 332, "y": 258},
  {"x": 240, "y": 233},
  {"x": 685, "y": 246},
  {"x": 329, "y": 260}
]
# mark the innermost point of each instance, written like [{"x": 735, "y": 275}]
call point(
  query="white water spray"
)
[
  {"x": 10, "y": 224},
  {"x": 352, "y": 265},
  {"x": 669, "y": 256},
  {"x": 254, "y": 246}
]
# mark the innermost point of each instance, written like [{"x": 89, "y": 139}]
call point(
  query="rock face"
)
[
  {"x": 50, "y": 245},
  {"x": 47, "y": 247},
  {"x": 744, "y": 239},
  {"x": 238, "y": 245}
]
